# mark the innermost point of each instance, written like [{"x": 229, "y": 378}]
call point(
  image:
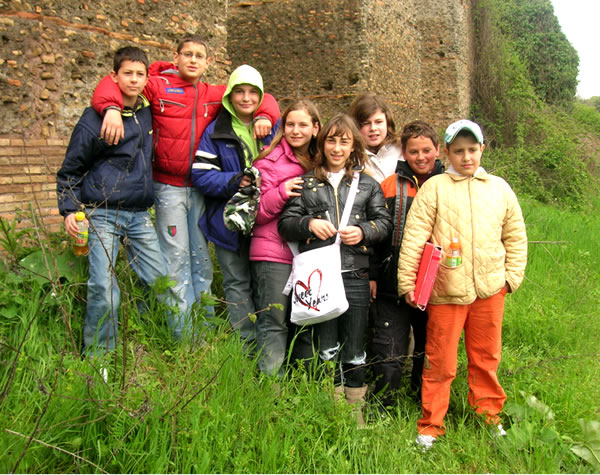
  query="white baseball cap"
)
[{"x": 454, "y": 128}]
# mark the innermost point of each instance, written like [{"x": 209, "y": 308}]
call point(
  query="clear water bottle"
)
[
  {"x": 80, "y": 241},
  {"x": 454, "y": 254}
]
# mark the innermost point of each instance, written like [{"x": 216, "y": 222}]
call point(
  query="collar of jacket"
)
[
  {"x": 140, "y": 104},
  {"x": 406, "y": 172},
  {"x": 223, "y": 128},
  {"x": 480, "y": 174}
]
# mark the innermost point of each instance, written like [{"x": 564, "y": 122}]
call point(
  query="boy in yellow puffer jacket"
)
[{"x": 482, "y": 211}]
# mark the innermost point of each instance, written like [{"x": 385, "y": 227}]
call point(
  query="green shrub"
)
[{"x": 587, "y": 116}]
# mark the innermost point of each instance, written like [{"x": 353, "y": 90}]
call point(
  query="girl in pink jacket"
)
[{"x": 281, "y": 166}]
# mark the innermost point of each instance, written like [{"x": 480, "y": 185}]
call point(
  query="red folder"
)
[{"x": 430, "y": 261}]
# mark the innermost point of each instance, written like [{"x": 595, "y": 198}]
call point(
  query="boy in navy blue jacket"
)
[{"x": 114, "y": 185}]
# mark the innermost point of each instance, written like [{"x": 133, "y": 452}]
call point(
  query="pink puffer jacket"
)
[{"x": 276, "y": 168}]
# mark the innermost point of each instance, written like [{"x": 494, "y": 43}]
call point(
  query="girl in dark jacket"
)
[{"x": 312, "y": 219}]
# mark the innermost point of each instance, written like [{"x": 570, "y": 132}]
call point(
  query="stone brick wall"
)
[
  {"x": 53, "y": 53},
  {"x": 416, "y": 53},
  {"x": 27, "y": 179}
]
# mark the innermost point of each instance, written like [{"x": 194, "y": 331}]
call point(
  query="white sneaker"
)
[
  {"x": 500, "y": 432},
  {"x": 425, "y": 441}
]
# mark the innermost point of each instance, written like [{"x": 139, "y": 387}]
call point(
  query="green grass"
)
[{"x": 206, "y": 409}]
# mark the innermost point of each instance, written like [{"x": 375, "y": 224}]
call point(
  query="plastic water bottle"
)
[
  {"x": 454, "y": 255},
  {"x": 80, "y": 241}
]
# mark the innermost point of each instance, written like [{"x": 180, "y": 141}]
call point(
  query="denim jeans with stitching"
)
[
  {"x": 268, "y": 282},
  {"x": 178, "y": 210},
  {"x": 235, "y": 267},
  {"x": 109, "y": 227}
]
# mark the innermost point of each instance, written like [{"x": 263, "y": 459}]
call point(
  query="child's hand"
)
[
  {"x": 262, "y": 128},
  {"x": 373, "y": 289},
  {"x": 71, "y": 225},
  {"x": 321, "y": 228},
  {"x": 245, "y": 181},
  {"x": 409, "y": 298},
  {"x": 351, "y": 235},
  {"x": 292, "y": 185},
  {"x": 112, "y": 127}
]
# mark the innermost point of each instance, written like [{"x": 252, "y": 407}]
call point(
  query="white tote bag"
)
[{"x": 316, "y": 282}]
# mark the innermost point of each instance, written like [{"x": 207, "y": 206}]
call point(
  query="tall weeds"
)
[{"x": 168, "y": 407}]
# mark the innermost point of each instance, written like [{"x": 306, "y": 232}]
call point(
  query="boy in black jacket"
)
[
  {"x": 393, "y": 318},
  {"x": 114, "y": 185}
]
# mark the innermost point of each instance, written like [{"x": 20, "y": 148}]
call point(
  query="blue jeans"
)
[
  {"x": 343, "y": 336},
  {"x": 107, "y": 228},
  {"x": 235, "y": 267},
  {"x": 178, "y": 210},
  {"x": 268, "y": 281}
]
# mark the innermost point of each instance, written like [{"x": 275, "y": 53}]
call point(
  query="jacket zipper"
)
[
  {"x": 141, "y": 148},
  {"x": 162, "y": 103},
  {"x": 188, "y": 176},
  {"x": 206, "y": 104}
]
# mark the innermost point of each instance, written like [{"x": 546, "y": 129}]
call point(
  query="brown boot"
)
[
  {"x": 338, "y": 394},
  {"x": 356, "y": 398}
]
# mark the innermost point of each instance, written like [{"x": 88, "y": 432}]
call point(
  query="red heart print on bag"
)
[{"x": 305, "y": 297}]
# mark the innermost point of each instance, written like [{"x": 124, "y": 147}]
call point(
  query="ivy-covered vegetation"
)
[{"x": 524, "y": 84}]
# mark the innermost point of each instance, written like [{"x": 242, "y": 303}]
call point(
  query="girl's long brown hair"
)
[
  {"x": 306, "y": 160},
  {"x": 367, "y": 104},
  {"x": 338, "y": 126}
]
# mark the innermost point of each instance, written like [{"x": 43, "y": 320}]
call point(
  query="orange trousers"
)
[{"x": 482, "y": 322}]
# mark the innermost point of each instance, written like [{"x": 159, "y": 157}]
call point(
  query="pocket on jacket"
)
[
  {"x": 495, "y": 271},
  {"x": 450, "y": 281}
]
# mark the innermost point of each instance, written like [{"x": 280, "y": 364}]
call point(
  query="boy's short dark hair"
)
[
  {"x": 192, "y": 39},
  {"x": 129, "y": 53},
  {"x": 418, "y": 128}
]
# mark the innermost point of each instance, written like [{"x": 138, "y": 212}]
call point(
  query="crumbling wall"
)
[
  {"x": 416, "y": 53},
  {"x": 53, "y": 53}
]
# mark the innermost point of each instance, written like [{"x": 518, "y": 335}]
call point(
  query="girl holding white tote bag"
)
[{"x": 312, "y": 220}]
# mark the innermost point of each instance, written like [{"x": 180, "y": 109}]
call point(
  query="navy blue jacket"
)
[
  {"x": 217, "y": 172},
  {"x": 96, "y": 174}
]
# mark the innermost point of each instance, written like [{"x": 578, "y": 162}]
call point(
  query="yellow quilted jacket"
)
[{"x": 483, "y": 212}]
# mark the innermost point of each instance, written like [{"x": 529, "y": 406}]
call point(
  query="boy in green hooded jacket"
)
[{"x": 226, "y": 149}]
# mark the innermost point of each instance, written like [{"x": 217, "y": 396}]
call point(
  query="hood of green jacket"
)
[{"x": 245, "y": 74}]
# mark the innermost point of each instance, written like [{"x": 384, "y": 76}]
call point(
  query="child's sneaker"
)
[{"x": 425, "y": 441}]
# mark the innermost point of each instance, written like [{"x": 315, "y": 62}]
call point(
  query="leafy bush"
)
[
  {"x": 587, "y": 116},
  {"x": 537, "y": 147},
  {"x": 551, "y": 60}
]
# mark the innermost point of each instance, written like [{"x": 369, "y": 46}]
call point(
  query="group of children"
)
[{"x": 157, "y": 135}]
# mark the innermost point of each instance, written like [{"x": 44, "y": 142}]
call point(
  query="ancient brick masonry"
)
[
  {"x": 52, "y": 53},
  {"x": 27, "y": 179},
  {"x": 416, "y": 53}
]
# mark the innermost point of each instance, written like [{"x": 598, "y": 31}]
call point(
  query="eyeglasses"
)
[{"x": 190, "y": 55}]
